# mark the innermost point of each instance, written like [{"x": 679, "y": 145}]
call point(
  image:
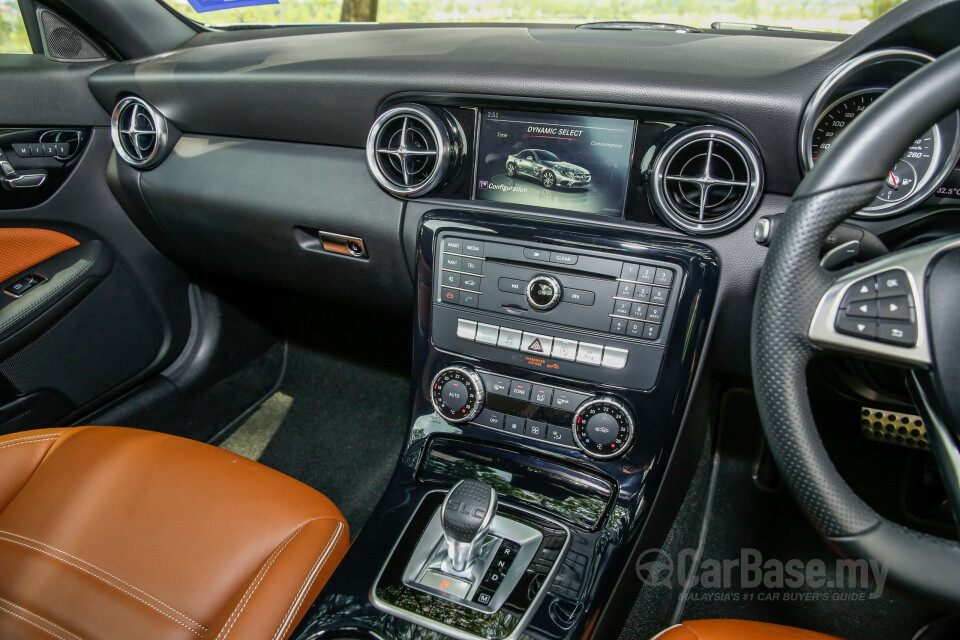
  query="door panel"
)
[{"x": 108, "y": 310}]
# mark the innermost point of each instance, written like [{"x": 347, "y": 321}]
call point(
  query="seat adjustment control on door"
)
[
  {"x": 457, "y": 394},
  {"x": 603, "y": 427}
]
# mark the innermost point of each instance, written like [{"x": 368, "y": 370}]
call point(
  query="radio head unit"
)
[{"x": 579, "y": 314}]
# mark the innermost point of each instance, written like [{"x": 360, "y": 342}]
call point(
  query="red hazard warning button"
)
[{"x": 534, "y": 343}]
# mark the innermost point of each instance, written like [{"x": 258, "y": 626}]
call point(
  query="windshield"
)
[
  {"x": 546, "y": 155},
  {"x": 845, "y": 16}
]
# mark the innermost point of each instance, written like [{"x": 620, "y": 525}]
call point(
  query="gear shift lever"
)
[{"x": 466, "y": 515}]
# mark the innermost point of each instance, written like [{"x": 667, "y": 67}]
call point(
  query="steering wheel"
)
[{"x": 800, "y": 311}]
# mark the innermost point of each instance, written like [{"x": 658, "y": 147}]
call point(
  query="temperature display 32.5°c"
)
[{"x": 907, "y": 180}]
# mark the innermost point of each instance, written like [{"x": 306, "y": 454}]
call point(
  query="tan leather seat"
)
[
  {"x": 111, "y": 533},
  {"x": 737, "y": 630}
]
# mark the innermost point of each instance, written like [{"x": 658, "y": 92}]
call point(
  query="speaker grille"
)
[{"x": 64, "y": 42}]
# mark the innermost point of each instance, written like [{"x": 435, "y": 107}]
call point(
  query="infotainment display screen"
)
[{"x": 570, "y": 162}]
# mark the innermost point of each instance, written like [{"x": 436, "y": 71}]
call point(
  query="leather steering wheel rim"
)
[{"x": 791, "y": 286}]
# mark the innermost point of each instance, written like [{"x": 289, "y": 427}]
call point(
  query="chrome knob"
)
[
  {"x": 457, "y": 393},
  {"x": 543, "y": 292},
  {"x": 603, "y": 427}
]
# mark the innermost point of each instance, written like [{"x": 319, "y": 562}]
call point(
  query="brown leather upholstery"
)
[
  {"x": 21, "y": 249},
  {"x": 111, "y": 533},
  {"x": 737, "y": 630}
]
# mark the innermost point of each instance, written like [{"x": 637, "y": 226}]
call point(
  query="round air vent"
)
[
  {"x": 139, "y": 132},
  {"x": 707, "y": 180},
  {"x": 411, "y": 149}
]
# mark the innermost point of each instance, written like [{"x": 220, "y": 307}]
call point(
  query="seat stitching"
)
[
  {"x": 101, "y": 578},
  {"x": 309, "y": 580},
  {"x": 121, "y": 580},
  {"x": 248, "y": 594},
  {"x": 14, "y": 443},
  {"x": 37, "y": 616},
  {"x": 33, "y": 623}
]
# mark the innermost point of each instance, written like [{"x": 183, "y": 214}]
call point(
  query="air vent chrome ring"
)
[
  {"x": 140, "y": 132},
  {"x": 707, "y": 180},
  {"x": 411, "y": 149}
]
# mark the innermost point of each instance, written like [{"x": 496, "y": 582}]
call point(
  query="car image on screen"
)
[{"x": 547, "y": 168}]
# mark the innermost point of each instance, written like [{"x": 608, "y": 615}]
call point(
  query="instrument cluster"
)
[{"x": 922, "y": 169}]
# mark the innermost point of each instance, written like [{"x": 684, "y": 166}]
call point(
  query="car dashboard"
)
[{"x": 575, "y": 219}]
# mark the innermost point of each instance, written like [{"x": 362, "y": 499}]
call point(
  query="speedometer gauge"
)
[{"x": 908, "y": 177}]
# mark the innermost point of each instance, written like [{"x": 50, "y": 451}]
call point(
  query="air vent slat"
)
[
  {"x": 707, "y": 180},
  {"x": 411, "y": 149},
  {"x": 139, "y": 132}
]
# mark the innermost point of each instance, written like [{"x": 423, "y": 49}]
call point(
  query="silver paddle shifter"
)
[{"x": 466, "y": 515}]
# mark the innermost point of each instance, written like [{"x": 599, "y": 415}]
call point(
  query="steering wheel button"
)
[
  {"x": 896, "y": 308},
  {"x": 898, "y": 333},
  {"x": 862, "y": 309},
  {"x": 865, "y": 289},
  {"x": 893, "y": 283},
  {"x": 860, "y": 327}
]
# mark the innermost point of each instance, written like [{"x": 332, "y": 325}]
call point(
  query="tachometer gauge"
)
[{"x": 907, "y": 178}]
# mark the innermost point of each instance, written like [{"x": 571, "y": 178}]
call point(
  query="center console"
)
[{"x": 553, "y": 362}]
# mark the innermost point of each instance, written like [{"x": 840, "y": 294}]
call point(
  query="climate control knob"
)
[
  {"x": 457, "y": 393},
  {"x": 603, "y": 427}
]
